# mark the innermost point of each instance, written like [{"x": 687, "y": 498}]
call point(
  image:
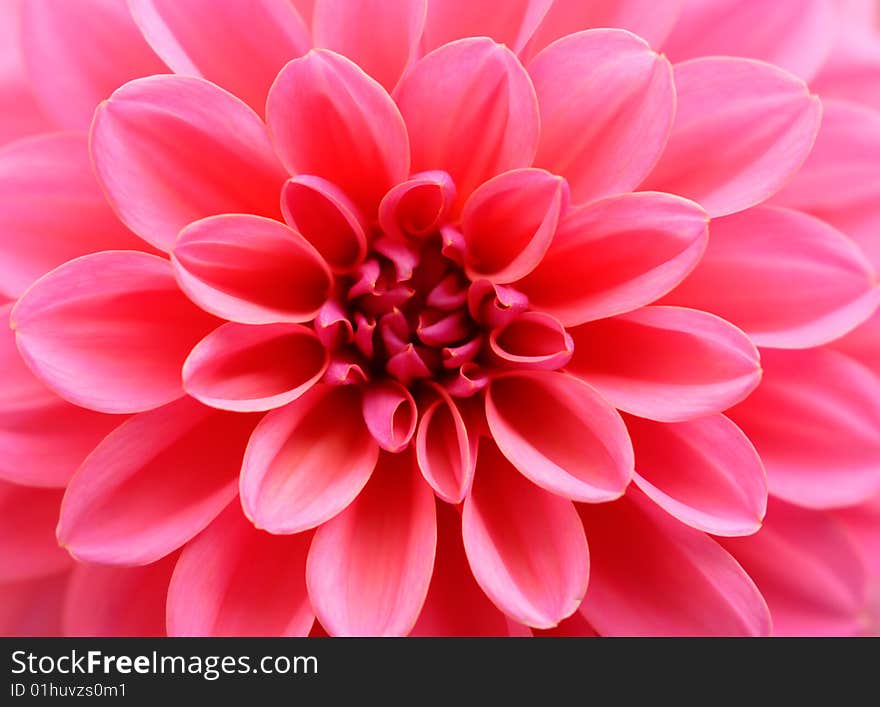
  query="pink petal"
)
[
  {"x": 250, "y": 270},
  {"x": 815, "y": 421},
  {"x": 742, "y": 129},
  {"x": 238, "y": 44},
  {"x": 561, "y": 434},
  {"x": 653, "y": 576},
  {"x": 169, "y": 150},
  {"x": 509, "y": 221},
  {"x": 117, "y": 601},
  {"x": 607, "y": 104},
  {"x": 840, "y": 181},
  {"x": 369, "y": 567},
  {"x": 251, "y": 368},
  {"x": 525, "y": 546},
  {"x": 795, "y": 35},
  {"x": 787, "y": 279},
  {"x": 705, "y": 472},
  {"x": 307, "y": 461},
  {"x": 31, "y": 608},
  {"x": 470, "y": 109},
  {"x": 51, "y": 209},
  {"x": 666, "y": 363},
  {"x": 575, "y": 626},
  {"x": 328, "y": 118},
  {"x": 532, "y": 340},
  {"x": 28, "y": 548},
  {"x": 863, "y": 343},
  {"x": 68, "y": 45},
  {"x": 807, "y": 568},
  {"x": 109, "y": 331},
  {"x": 617, "y": 254},
  {"x": 417, "y": 206},
  {"x": 852, "y": 70},
  {"x": 381, "y": 37},
  {"x": 233, "y": 580},
  {"x": 43, "y": 439},
  {"x": 862, "y": 523},
  {"x": 391, "y": 415},
  {"x": 455, "y": 605},
  {"x": 153, "y": 483}
]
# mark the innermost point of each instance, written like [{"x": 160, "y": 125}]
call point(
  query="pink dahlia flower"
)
[{"x": 439, "y": 317}]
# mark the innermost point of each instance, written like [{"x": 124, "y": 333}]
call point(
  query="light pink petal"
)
[
  {"x": 649, "y": 19},
  {"x": 109, "y": 331},
  {"x": 509, "y": 221},
  {"x": 153, "y": 483},
  {"x": 110, "y": 602},
  {"x": 390, "y": 414},
  {"x": 32, "y": 608},
  {"x": 307, "y": 461},
  {"x": 68, "y": 45},
  {"x": 470, "y": 109},
  {"x": 237, "y": 44},
  {"x": 381, "y": 37},
  {"x": 51, "y": 209},
  {"x": 252, "y": 368},
  {"x": 169, "y": 150},
  {"x": 617, "y": 254},
  {"x": 705, "y": 472},
  {"x": 525, "y": 546},
  {"x": 328, "y": 118},
  {"x": 250, "y": 270},
  {"x": 815, "y": 421},
  {"x": 369, "y": 567},
  {"x": 840, "y": 181},
  {"x": 787, "y": 279},
  {"x": 742, "y": 129},
  {"x": 455, "y": 605},
  {"x": 863, "y": 343},
  {"x": 561, "y": 434},
  {"x": 532, "y": 340},
  {"x": 795, "y": 35},
  {"x": 852, "y": 71},
  {"x": 607, "y": 105},
  {"x": 234, "y": 580},
  {"x": 808, "y": 570},
  {"x": 43, "y": 439},
  {"x": 654, "y": 576},
  {"x": 28, "y": 547},
  {"x": 666, "y": 363}
]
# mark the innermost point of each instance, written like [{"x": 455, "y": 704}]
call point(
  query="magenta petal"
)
[
  {"x": 307, "y": 461},
  {"x": 234, "y": 580},
  {"x": 153, "y": 483},
  {"x": 109, "y": 331},
  {"x": 390, "y": 413},
  {"x": 525, "y": 546},
  {"x": 28, "y": 547},
  {"x": 686, "y": 583},
  {"x": 369, "y": 567}
]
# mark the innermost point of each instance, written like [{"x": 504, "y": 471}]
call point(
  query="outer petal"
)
[
  {"x": 666, "y": 363},
  {"x": 28, "y": 548},
  {"x": 117, "y": 601},
  {"x": 153, "y": 484},
  {"x": 616, "y": 255},
  {"x": 109, "y": 331},
  {"x": 251, "y": 270},
  {"x": 51, "y": 209},
  {"x": 807, "y": 568},
  {"x": 307, "y": 461},
  {"x": 787, "y": 279},
  {"x": 793, "y": 34},
  {"x": 863, "y": 344},
  {"x": 470, "y": 109},
  {"x": 815, "y": 421},
  {"x": 328, "y": 118},
  {"x": 705, "y": 472},
  {"x": 852, "y": 70},
  {"x": 653, "y": 576},
  {"x": 31, "y": 608},
  {"x": 252, "y": 368},
  {"x": 742, "y": 129},
  {"x": 237, "y": 44},
  {"x": 525, "y": 546},
  {"x": 607, "y": 104},
  {"x": 233, "y": 580},
  {"x": 66, "y": 46},
  {"x": 169, "y": 150},
  {"x": 561, "y": 434},
  {"x": 369, "y": 568}
]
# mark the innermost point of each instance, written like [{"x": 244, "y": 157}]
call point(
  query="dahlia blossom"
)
[{"x": 436, "y": 317}]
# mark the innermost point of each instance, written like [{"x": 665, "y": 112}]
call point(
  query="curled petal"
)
[
  {"x": 417, "y": 206},
  {"x": 391, "y": 415},
  {"x": 532, "y": 340}
]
